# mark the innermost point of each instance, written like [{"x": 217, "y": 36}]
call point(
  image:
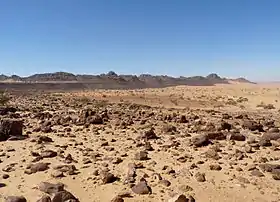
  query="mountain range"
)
[{"x": 111, "y": 80}]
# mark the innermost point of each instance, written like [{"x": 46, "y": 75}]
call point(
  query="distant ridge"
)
[
  {"x": 111, "y": 80},
  {"x": 241, "y": 80}
]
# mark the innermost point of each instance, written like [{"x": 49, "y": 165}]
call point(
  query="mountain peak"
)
[{"x": 213, "y": 76}]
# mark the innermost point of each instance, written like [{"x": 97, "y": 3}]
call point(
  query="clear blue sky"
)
[{"x": 175, "y": 37}]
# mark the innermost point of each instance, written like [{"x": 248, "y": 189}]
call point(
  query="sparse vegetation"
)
[
  {"x": 4, "y": 98},
  {"x": 242, "y": 99},
  {"x": 266, "y": 106},
  {"x": 85, "y": 99},
  {"x": 174, "y": 101}
]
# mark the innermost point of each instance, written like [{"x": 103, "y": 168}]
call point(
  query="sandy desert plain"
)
[{"x": 206, "y": 144}]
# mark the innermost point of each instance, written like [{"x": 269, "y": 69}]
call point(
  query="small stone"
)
[
  {"x": 141, "y": 188},
  {"x": 179, "y": 198},
  {"x": 117, "y": 199},
  {"x": 200, "y": 177},
  {"x": 44, "y": 138},
  {"x": 248, "y": 149},
  {"x": 215, "y": 167},
  {"x": 236, "y": 136},
  {"x": 117, "y": 161},
  {"x": 50, "y": 188},
  {"x": 257, "y": 173},
  {"x": 86, "y": 161},
  {"x": 107, "y": 177},
  {"x": 251, "y": 167},
  {"x": 141, "y": 156},
  {"x": 69, "y": 169},
  {"x": 64, "y": 196},
  {"x": 243, "y": 180},
  {"x": 239, "y": 169},
  {"x": 57, "y": 174},
  {"x": 165, "y": 182},
  {"x": 200, "y": 140},
  {"x": 225, "y": 126},
  {"x": 5, "y": 176},
  {"x": 48, "y": 154},
  {"x": 276, "y": 177},
  {"x": 38, "y": 167},
  {"x": 211, "y": 153},
  {"x": 185, "y": 188},
  {"x": 265, "y": 143},
  {"x": 44, "y": 199}
]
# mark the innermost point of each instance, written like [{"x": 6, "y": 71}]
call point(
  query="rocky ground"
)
[{"x": 174, "y": 144}]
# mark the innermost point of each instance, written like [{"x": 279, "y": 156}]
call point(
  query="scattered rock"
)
[
  {"x": 257, "y": 173},
  {"x": 9, "y": 128},
  {"x": 225, "y": 126},
  {"x": 200, "y": 177},
  {"x": 117, "y": 199},
  {"x": 50, "y": 188},
  {"x": 64, "y": 196},
  {"x": 236, "y": 137},
  {"x": 48, "y": 154},
  {"x": 141, "y": 188},
  {"x": 16, "y": 199},
  {"x": 216, "y": 136},
  {"x": 38, "y": 167},
  {"x": 5, "y": 176},
  {"x": 181, "y": 198},
  {"x": 200, "y": 140},
  {"x": 141, "y": 156},
  {"x": 213, "y": 154},
  {"x": 164, "y": 182},
  {"x": 215, "y": 167},
  {"x": 45, "y": 199},
  {"x": 252, "y": 125},
  {"x": 107, "y": 177}
]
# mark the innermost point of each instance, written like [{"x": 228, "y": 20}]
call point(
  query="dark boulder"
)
[
  {"x": 15, "y": 199},
  {"x": 200, "y": 140},
  {"x": 10, "y": 128},
  {"x": 252, "y": 125}
]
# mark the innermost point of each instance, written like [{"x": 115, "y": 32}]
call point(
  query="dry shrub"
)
[
  {"x": 242, "y": 99},
  {"x": 4, "y": 98},
  {"x": 174, "y": 101},
  {"x": 266, "y": 106}
]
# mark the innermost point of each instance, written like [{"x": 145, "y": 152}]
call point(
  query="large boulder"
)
[
  {"x": 10, "y": 128},
  {"x": 271, "y": 136},
  {"x": 252, "y": 125}
]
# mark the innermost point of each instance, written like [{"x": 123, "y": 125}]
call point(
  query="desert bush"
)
[
  {"x": 242, "y": 99},
  {"x": 269, "y": 106},
  {"x": 231, "y": 101},
  {"x": 84, "y": 99},
  {"x": 174, "y": 101},
  {"x": 101, "y": 103},
  {"x": 266, "y": 106},
  {"x": 242, "y": 107},
  {"x": 4, "y": 98}
]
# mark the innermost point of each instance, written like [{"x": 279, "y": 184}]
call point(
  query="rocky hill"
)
[{"x": 111, "y": 80}]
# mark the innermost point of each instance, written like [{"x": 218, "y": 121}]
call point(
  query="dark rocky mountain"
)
[
  {"x": 67, "y": 81},
  {"x": 57, "y": 76},
  {"x": 3, "y": 77}
]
